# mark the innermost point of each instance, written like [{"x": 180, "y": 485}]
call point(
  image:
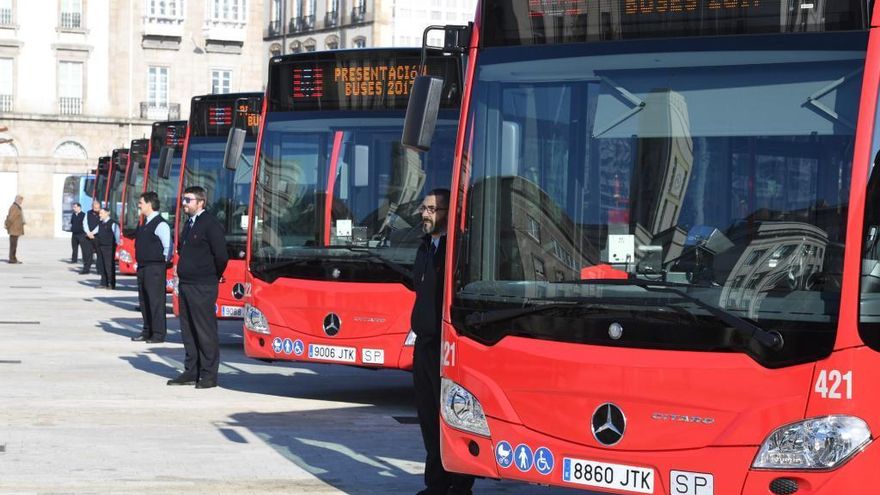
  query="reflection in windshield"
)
[
  {"x": 133, "y": 193},
  {"x": 325, "y": 184},
  {"x": 726, "y": 179},
  {"x": 165, "y": 188},
  {"x": 228, "y": 191}
]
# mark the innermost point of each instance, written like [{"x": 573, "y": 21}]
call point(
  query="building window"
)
[
  {"x": 229, "y": 10},
  {"x": 165, "y": 9},
  {"x": 359, "y": 42},
  {"x": 221, "y": 81},
  {"x": 157, "y": 87},
  {"x": 359, "y": 11},
  {"x": 332, "y": 42},
  {"x": 6, "y": 85},
  {"x": 71, "y": 14},
  {"x": 534, "y": 228},
  {"x": 6, "y": 13},
  {"x": 332, "y": 17},
  {"x": 70, "y": 88},
  {"x": 275, "y": 18},
  {"x": 309, "y": 45}
]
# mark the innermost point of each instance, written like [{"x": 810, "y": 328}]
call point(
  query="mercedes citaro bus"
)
[
  {"x": 130, "y": 217},
  {"x": 335, "y": 225},
  {"x": 102, "y": 173},
  {"x": 116, "y": 182},
  {"x": 663, "y": 275},
  {"x": 162, "y": 175},
  {"x": 227, "y": 183}
]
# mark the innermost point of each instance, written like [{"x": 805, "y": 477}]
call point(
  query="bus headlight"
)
[
  {"x": 254, "y": 320},
  {"x": 817, "y": 443},
  {"x": 125, "y": 256},
  {"x": 461, "y": 410},
  {"x": 410, "y": 339}
]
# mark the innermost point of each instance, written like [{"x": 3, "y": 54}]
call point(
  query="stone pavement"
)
[{"x": 83, "y": 410}]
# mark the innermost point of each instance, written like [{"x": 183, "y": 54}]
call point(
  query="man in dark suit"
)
[
  {"x": 90, "y": 244},
  {"x": 152, "y": 247},
  {"x": 200, "y": 265},
  {"x": 426, "y": 317},
  {"x": 107, "y": 236},
  {"x": 77, "y": 233}
]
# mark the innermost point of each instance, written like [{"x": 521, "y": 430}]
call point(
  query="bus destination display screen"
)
[
  {"x": 215, "y": 116},
  {"x": 347, "y": 81},
  {"x": 538, "y": 22}
]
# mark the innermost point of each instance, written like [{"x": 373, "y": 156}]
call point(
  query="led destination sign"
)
[
  {"x": 214, "y": 116},
  {"x": 538, "y": 22}
]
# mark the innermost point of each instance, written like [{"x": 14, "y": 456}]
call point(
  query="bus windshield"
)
[
  {"x": 228, "y": 191},
  {"x": 132, "y": 194},
  {"x": 165, "y": 188},
  {"x": 603, "y": 175},
  {"x": 337, "y": 195},
  {"x": 114, "y": 198}
]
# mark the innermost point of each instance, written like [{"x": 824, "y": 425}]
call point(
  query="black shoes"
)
[
  {"x": 84, "y": 272},
  {"x": 182, "y": 380},
  {"x": 206, "y": 384},
  {"x": 140, "y": 338},
  {"x": 155, "y": 341},
  {"x": 101, "y": 286}
]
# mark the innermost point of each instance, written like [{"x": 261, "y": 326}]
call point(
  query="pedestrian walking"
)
[
  {"x": 152, "y": 246},
  {"x": 90, "y": 244},
  {"x": 15, "y": 227},
  {"x": 428, "y": 273},
  {"x": 77, "y": 233},
  {"x": 107, "y": 237},
  {"x": 202, "y": 259}
]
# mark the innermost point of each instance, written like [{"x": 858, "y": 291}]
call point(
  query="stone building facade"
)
[{"x": 95, "y": 74}]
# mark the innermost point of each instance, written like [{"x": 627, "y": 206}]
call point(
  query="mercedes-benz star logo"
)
[
  {"x": 238, "y": 291},
  {"x": 608, "y": 424},
  {"x": 332, "y": 324}
]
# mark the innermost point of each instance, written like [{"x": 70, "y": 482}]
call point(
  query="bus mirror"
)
[
  {"x": 234, "y": 148},
  {"x": 421, "y": 113},
  {"x": 165, "y": 158}
]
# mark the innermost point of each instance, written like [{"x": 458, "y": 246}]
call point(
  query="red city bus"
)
[
  {"x": 102, "y": 172},
  {"x": 163, "y": 172},
  {"x": 663, "y": 275},
  {"x": 228, "y": 191},
  {"x": 130, "y": 217},
  {"x": 334, "y": 227}
]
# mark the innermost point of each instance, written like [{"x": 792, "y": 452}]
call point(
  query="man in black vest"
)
[
  {"x": 90, "y": 244},
  {"x": 77, "y": 233},
  {"x": 152, "y": 246},
  {"x": 107, "y": 237},
  {"x": 426, "y": 317},
  {"x": 200, "y": 265}
]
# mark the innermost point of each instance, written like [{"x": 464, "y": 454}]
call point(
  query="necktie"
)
[{"x": 186, "y": 229}]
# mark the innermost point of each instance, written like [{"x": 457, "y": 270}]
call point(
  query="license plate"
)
[
  {"x": 688, "y": 483},
  {"x": 373, "y": 356},
  {"x": 232, "y": 311},
  {"x": 333, "y": 353},
  {"x": 618, "y": 477}
]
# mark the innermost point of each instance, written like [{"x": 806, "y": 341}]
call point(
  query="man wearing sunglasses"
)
[
  {"x": 427, "y": 310},
  {"x": 202, "y": 259}
]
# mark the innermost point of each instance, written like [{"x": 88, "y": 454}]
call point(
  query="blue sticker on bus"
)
[
  {"x": 277, "y": 345},
  {"x": 288, "y": 346},
  {"x": 298, "y": 347},
  {"x": 544, "y": 461},
  {"x": 523, "y": 457},
  {"x": 504, "y": 454}
]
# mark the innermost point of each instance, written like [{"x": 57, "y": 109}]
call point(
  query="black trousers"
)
[
  {"x": 198, "y": 328},
  {"x": 426, "y": 378},
  {"x": 107, "y": 265},
  {"x": 90, "y": 247},
  {"x": 77, "y": 244},
  {"x": 151, "y": 294},
  {"x": 13, "y": 247}
]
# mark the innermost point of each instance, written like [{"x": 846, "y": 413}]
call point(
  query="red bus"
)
[
  {"x": 116, "y": 182},
  {"x": 663, "y": 274},
  {"x": 228, "y": 191},
  {"x": 102, "y": 172},
  {"x": 334, "y": 227},
  {"x": 130, "y": 217},
  {"x": 163, "y": 172}
]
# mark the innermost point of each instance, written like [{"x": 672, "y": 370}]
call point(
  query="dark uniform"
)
[
  {"x": 106, "y": 238},
  {"x": 90, "y": 246},
  {"x": 201, "y": 264},
  {"x": 426, "y": 316},
  {"x": 77, "y": 236},
  {"x": 151, "y": 279}
]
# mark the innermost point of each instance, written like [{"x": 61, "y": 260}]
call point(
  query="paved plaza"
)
[{"x": 83, "y": 410}]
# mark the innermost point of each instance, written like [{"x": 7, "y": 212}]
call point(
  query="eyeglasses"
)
[
  {"x": 430, "y": 209},
  {"x": 186, "y": 200}
]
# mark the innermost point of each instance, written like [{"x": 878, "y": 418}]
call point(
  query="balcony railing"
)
[
  {"x": 358, "y": 14},
  {"x": 331, "y": 19},
  {"x": 5, "y": 103},
  {"x": 160, "y": 111},
  {"x": 274, "y": 28},
  {"x": 71, "y": 20},
  {"x": 70, "y": 106},
  {"x": 5, "y": 17}
]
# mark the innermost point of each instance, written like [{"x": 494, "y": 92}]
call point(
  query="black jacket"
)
[
  {"x": 428, "y": 281},
  {"x": 202, "y": 251},
  {"x": 76, "y": 223}
]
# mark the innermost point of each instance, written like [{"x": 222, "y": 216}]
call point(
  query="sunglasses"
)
[{"x": 186, "y": 200}]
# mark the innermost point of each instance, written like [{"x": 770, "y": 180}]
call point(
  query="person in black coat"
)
[
  {"x": 90, "y": 244},
  {"x": 106, "y": 235},
  {"x": 152, "y": 247},
  {"x": 200, "y": 266},
  {"x": 426, "y": 317},
  {"x": 77, "y": 233}
]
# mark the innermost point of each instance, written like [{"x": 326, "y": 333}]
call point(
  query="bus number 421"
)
[{"x": 829, "y": 381}]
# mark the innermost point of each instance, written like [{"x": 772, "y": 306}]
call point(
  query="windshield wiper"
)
[
  {"x": 371, "y": 256},
  {"x": 768, "y": 338}
]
